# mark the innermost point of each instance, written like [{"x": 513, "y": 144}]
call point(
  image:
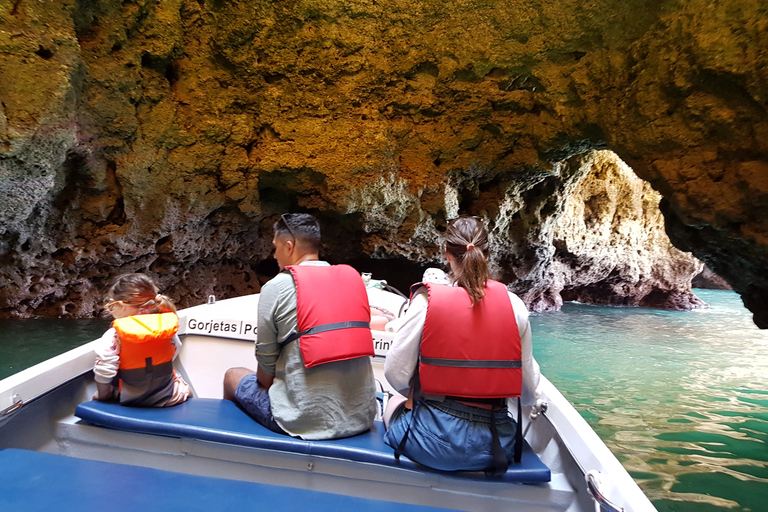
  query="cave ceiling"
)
[{"x": 166, "y": 136}]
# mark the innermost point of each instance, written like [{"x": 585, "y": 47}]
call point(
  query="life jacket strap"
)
[
  {"x": 519, "y": 431},
  {"x": 500, "y": 463},
  {"x": 401, "y": 445},
  {"x": 466, "y": 363},
  {"x": 417, "y": 397},
  {"x": 334, "y": 326}
]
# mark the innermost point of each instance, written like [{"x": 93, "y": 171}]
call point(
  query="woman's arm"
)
[
  {"x": 531, "y": 371},
  {"x": 403, "y": 357}
]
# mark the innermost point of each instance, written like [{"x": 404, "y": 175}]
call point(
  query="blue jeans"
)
[
  {"x": 451, "y": 436},
  {"x": 254, "y": 399}
]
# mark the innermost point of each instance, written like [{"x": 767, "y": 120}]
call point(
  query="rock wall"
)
[
  {"x": 166, "y": 136},
  {"x": 611, "y": 247},
  {"x": 709, "y": 280}
]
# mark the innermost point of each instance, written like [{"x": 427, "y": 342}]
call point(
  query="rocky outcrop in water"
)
[
  {"x": 611, "y": 248},
  {"x": 166, "y": 136}
]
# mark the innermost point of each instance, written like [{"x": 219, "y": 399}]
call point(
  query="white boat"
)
[{"x": 59, "y": 450}]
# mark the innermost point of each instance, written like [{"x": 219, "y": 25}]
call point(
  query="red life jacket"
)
[
  {"x": 470, "y": 351},
  {"x": 332, "y": 312},
  {"x": 146, "y": 357}
]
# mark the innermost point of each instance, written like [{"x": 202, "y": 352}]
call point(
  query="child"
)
[{"x": 135, "y": 356}]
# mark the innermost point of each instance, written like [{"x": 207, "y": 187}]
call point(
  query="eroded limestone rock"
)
[
  {"x": 166, "y": 136},
  {"x": 611, "y": 247}
]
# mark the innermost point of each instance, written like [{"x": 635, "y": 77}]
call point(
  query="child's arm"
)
[
  {"x": 176, "y": 345},
  {"x": 104, "y": 391},
  {"x": 107, "y": 363}
]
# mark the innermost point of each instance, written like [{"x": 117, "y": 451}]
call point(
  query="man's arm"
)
[
  {"x": 265, "y": 380},
  {"x": 267, "y": 346}
]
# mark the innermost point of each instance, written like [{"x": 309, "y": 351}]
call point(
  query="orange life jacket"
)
[
  {"x": 332, "y": 313},
  {"x": 146, "y": 357},
  {"x": 470, "y": 351}
]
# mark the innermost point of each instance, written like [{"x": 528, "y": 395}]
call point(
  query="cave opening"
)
[{"x": 399, "y": 273}]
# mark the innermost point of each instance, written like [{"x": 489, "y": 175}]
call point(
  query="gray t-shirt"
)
[{"x": 327, "y": 401}]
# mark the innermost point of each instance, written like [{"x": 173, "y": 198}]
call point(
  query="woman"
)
[{"x": 461, "y": 350}]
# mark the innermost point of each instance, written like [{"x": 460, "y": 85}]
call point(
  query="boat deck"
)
[
  {"x": 52, "y": 427},
  {"x": 38, "y": 415},
  {"x": 35, "y": 481},
  {"x": 235, "y": 447}
]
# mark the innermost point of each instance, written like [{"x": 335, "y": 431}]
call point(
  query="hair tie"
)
[
  {"x": 469, "y": 246},
  {"x": 158, "y": 298}
]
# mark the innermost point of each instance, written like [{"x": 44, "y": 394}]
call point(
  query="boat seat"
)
[
  {"x": 37, "y": 481},
  {"x": 221, "y": 421}
]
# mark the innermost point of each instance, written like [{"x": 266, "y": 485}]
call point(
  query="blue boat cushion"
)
[
  {"x": 222, "y": 421},
  {"x": 43, "y": 482}
]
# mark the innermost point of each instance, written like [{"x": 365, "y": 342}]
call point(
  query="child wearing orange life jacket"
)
[{"x": 135, "y": 356}]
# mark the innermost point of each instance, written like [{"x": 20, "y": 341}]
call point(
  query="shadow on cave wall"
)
[
  {"x": 296, "y": 191},
  {"x": 399, "y": 273}
]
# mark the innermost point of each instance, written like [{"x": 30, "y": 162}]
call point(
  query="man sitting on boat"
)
[
  {"x": 314, "y": 378},
  {"x": 460, "y": 351}
]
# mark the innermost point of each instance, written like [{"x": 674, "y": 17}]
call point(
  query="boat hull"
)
[{"x": 50, "y": 392}]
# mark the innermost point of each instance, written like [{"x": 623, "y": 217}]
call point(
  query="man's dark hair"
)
[{"x": 302, "y": 227}]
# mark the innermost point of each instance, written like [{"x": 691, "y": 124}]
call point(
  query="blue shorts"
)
[
  {"x": 451, "y": 436},
  {"x": 254, "y": 399}
]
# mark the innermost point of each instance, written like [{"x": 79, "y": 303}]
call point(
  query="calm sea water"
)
[
  {"x": 680, "y": 397},
  {"x": 24, "y": 343}
]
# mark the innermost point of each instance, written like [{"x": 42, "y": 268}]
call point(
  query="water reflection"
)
[{"x": 680, "y": 397}]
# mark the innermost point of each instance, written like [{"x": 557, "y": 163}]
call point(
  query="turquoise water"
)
[
  {"x": 681, "y": 398},
  {"x": 24, "y": 343}
]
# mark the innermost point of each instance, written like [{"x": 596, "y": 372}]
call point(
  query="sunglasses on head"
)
[{"x": 287, "y": 226}]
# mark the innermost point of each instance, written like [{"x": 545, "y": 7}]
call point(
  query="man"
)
[{"x": 318, "y": 385}]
